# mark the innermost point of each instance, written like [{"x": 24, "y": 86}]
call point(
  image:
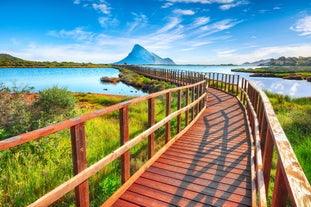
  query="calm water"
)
[
  {"x": 74, "y": 79},
  {"x": 293, "y": 88},
  {"x": 88, "y": 79}
]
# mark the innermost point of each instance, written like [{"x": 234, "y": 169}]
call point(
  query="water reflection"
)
[
  {"x": 74, "y": 79},
  {"x": 293, "y": 88}
]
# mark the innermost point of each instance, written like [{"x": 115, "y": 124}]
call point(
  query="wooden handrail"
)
[
  {"x": 267, "y": 133},
  {"x": 29, "y": 136}
]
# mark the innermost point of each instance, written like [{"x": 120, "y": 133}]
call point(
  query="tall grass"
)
[
  {"x": 29, "y": 171},
  {"x": 295, "y": 117}
]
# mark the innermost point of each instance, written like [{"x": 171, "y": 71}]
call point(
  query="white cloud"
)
[
  {"x": 200, "y": 43},
  {"x": 201, "y": 21},
  {"x": 184, "y": 12},
  {"x": 227, "y": 6},
  {"x": 232, "y": 5},
  {"x": 202, "y": 1},
  {"x": 102, "y": 7},
  {"x": 303, "y": 26},
  {"x": 218, "y": 26},
  {"x": 77, "y": 34},
  {"x": 69, "y": 52},
  {"x": 226, "y": 53},
  {"x": 76, "y": 2},
  {"x": 269, "y": 52},
  {"x": 140, "y": 20},
  {"x": 107, "y": 21},
  {"x": 174, "y": 21},
  {"x": 167, "y": 5}
]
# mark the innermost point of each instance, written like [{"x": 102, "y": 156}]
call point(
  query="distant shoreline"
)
[{"x": 285, "y": 72}]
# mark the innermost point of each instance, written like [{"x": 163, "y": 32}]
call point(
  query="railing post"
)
[
  {"x": 267, "y": 159},
  {"x": 280, "y": 194},
  {"x": 232, "y": 84},
  {"x": 237, "y": 86},
  {"x": 79, "y": 162},
  {"x": 192, "y": 100},
  {"x": 214, "y": 80},
  {"x": 187, "y": 103},
  {"x": 222, "y": 81},
  {"x": 242, "y": 88},
  {"x": 245, "y": 89},
  {"x": 151, "y": 123},
  {"x": 168, "y": 124},
  {"x": 227, "y": 81},
  {"x": 196, "y": 97},
  {"x": 124, "y": 137},
  {"x": 178, "y": 108}
]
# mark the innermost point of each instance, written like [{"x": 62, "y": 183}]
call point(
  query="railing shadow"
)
[{"x": 222, "y": 137}]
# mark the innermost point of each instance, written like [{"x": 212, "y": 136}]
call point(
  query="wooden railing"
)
[
  {"x": 194, "y": 105},
  {"x": 267, "y": 135},
  {"x": 178, "y": 77}
]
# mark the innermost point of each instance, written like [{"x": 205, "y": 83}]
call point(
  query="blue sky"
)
[{"x": 188, "y": 31}]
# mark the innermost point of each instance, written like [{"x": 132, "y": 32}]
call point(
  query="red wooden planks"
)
[{"x": 208, "y": 166}]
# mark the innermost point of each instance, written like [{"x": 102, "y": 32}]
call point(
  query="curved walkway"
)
[{"x": 208, "y": 166}]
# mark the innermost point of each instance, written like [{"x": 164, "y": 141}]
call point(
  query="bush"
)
[
  {"x": 19, "y": 114},
  {"x": 54, "y": 104},
  {"x": 15, "y": 111}
]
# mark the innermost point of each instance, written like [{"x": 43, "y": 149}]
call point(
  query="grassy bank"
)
[
  {"x": 295, "y": 117},
  {"x": 287, "y": 72},
  {"x": 141, "y": 82},
  {"x": 29, "y": 171}
]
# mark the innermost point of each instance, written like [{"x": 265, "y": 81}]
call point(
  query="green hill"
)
[
  {"x": 7, "y": 57},
  {"x": 9, "y": 61}
]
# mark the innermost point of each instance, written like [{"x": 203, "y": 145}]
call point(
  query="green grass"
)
[
  {"x": 279, "y": 71},
  {"x": 295, "y": 117},
  {"x": 29, "y": 171}
]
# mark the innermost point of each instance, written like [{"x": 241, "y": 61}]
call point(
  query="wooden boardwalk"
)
[{"x": 208, "y": 166}]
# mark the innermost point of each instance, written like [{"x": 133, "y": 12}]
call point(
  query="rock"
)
[
  {"x": 308, "y": 79},
  {"x": 293, "y": 77},
  {"x": 110, "y": 80}
]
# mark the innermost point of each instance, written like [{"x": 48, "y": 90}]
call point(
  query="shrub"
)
[
  {"x": 18, "y": 114},
  {"x": 15, "y": 111},
  {"x": 54, "y": 104}
]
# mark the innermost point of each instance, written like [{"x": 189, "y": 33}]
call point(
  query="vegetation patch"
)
[
  {"x": 30, "y": 170},
  {"x": 295, "y": 117},
  {"x": 8, "y": 61},
  {"x": 141, "y": 82},
  {"x": 286, "y": 72}
]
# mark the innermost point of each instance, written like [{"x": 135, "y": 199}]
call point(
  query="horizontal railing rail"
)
[{"x": 193, "y": 107}]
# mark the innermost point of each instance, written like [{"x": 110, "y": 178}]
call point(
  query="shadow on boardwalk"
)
[
  {"x": 225, "y": 143},
  {"x": 208, "y": 166}
]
